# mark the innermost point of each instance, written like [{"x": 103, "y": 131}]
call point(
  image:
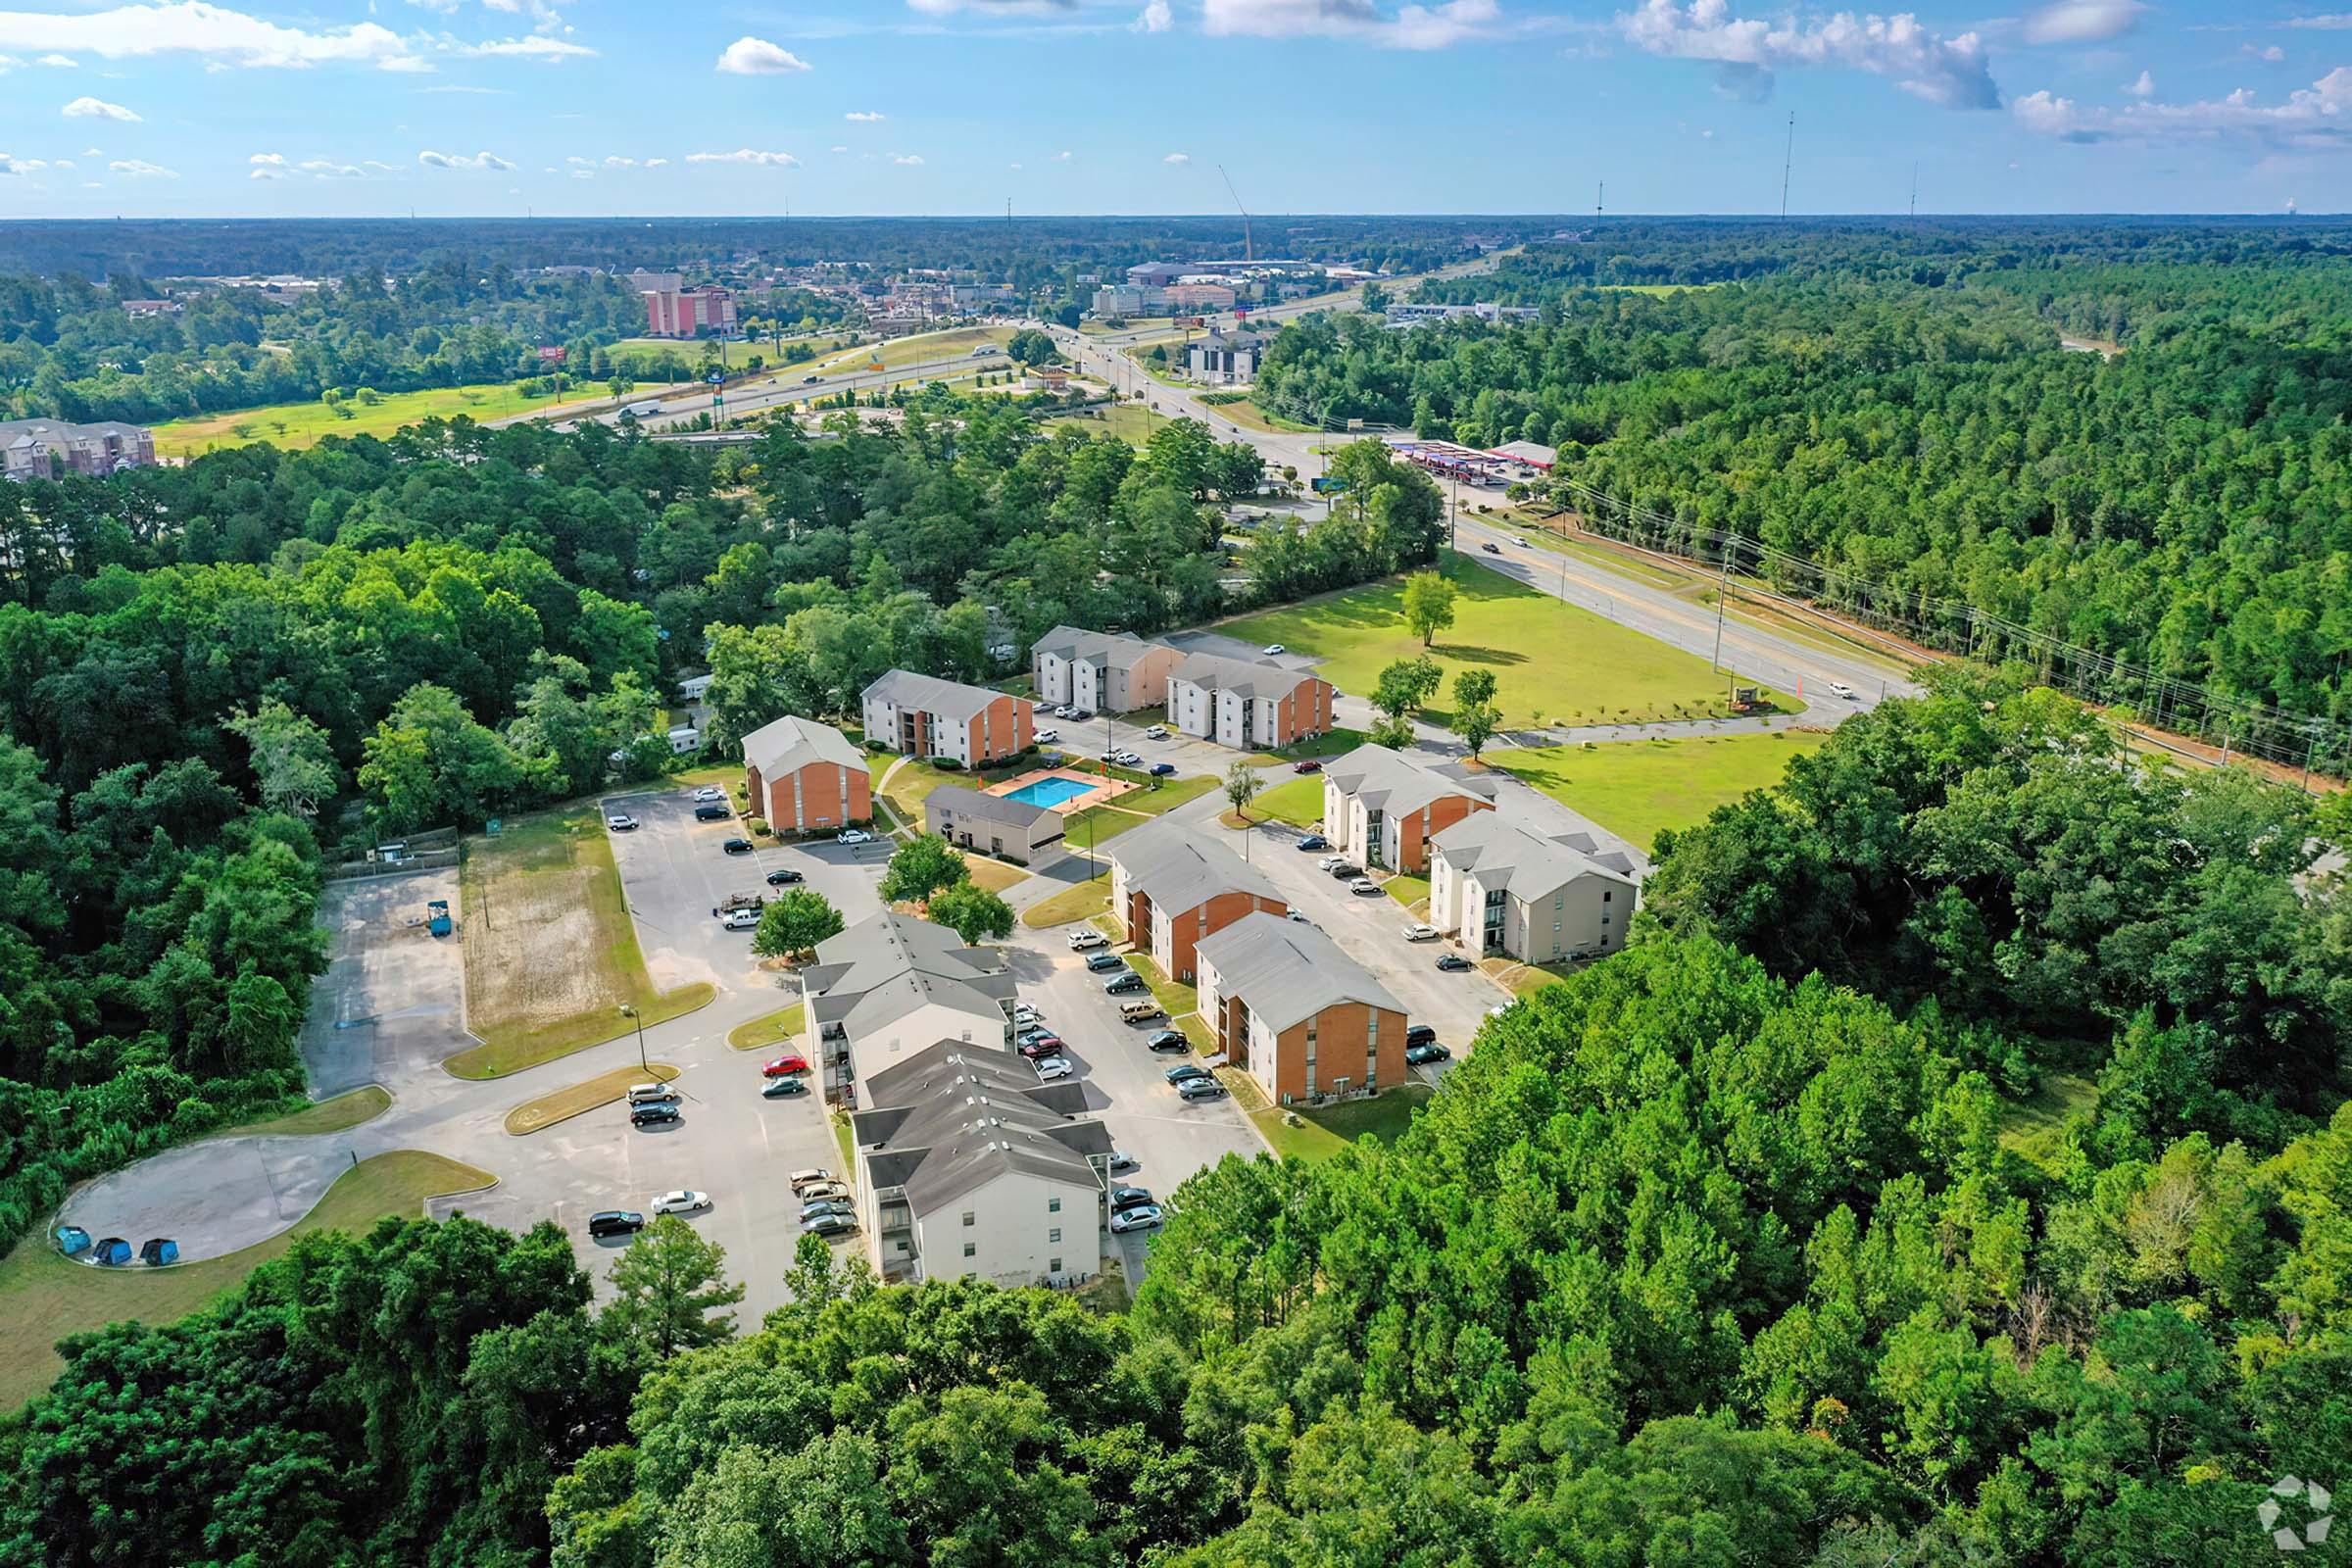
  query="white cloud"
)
[
  {"x": 615, "y": 161},
  {"x": 267, "y": 159},
  {"x": 9, "y": 63},
  {"x": 2267, "y": 54},
  {"x": 18, "y": 165},
  {"x": 328, "y": 169},
  {"x": 657, "y": 163},
  {"x": 1064, "y": 156},
  {"x": 1153, "y": 17},
  {"x": 2082, "y": 20},
  {"x": 98, "y": 108},
  {"x": 2331, "y": 21},
  {"x": 195, "y": 27},
  {"x": 1747, "y": 51},
  {"x": 140, "y": 169},
  {"x": 537, "y": 46},
  {"x": 1410, "y": 26},
  {"x": 757, "y": 56},
  {"x": 747, "y": 155},
  {"x": 433, "y": 160},
  {"x": 865, "y": 116},
  {"x": 59, "y": 62},
  {"x": 1177, "y": 158},
  {"x": 995, "y": 8},
  {"x": 2319, "y": 116},
  {"x": 841, "y": 149},
  {"x": 411, "y": 65},
  {"x": 265, "y": 173},
  {"x": 906, "y": 160},
  {"x": 2144, "y": 87}
]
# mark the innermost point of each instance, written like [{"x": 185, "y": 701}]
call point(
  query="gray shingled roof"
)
[
  {"x": 950, "y": 699},
  {"x": 1244, "y": 677},
  {"x": 1178, "y": 869},
  {"x": 792, "y": 743},
  {"x": 1287, "y": 971},
  {"x": 867, "y": 964},
  {"x": 954, "y": 1117},
  {"x": 1392, "y": 782},
  {"x": 1505, "y": 854},
  {"x": 954, "y": 800},
  {"x": 1096, "y": 647}
]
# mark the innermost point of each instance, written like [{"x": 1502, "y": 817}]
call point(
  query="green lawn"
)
[
  {"x": 1169, "y": 794},
  {"x": 1298, "y": 802},
  {"x": 1181, "y": 1001},
  {"x": 551, "y": 952},
  {"x": 1098, "y": 824},
  {"x": 1325, "y": 1131},
  {"x": 2031, "y": 1128},
  {"x": 305, "y": 424},
  {"x": 1549, "y": 657},
  {"x": 778, "y": 1028},
  {"x": 1081, "y": 901},
  {"x": 46, "y": 1297},
  {"x": 1410, "y": 891},
  {"x": 923, "y": 347},
  {"x": 1638, "y": 787},
  {"x": 1130, "y": 422},
  {"x": 578, "y": 1099},
  {"x": 326, "y": 1116},
  {"x": 1334, "y": 743}
]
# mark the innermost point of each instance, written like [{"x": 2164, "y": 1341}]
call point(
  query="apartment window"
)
[
  {"x": 1055, "y": 1234},
  {"x": 1310, "y": 1055},
  {"x": 1053, "y": 1205},
  {"x": 1052, "y": 1266},
  {"x": 1604, "y": 895},
  {"x": 969, "y": 1219},
  {"x": 970, "y": 1250},
  {"x": 1559, "y": 900}
]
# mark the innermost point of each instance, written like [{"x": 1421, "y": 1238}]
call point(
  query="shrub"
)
[
  {"x": 758, "y": 826},
  {"x": 946, "y": 764}
]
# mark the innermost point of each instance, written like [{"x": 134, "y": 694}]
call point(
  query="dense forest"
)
[{"x": 2184, "y": 505}]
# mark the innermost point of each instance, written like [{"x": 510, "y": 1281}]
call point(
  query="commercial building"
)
[
  {"x": 41, "y": 449},
  {"x": 1526, "y": 454},
  {"x": 1247, "y": 704},
  {"x": 924, "y": 716},
  {"x": 1498, "y": 887},
  {"x": 1386, "y": 806},
  {"x": 805, "y": 777},
  {"x": 689, "y": 312},
  {"x": 995, "y": 824},
  {"x": 1153, "y": 275},
  {"x": 967, "y": 1165},
  {"x": 1297, "y": 1014},
  {"x": 1129, "y": 300},
  {"x": 1100, "y": 671},
  {"x": 1222, "y": 359},
  {"x": 1174, "y": 888},
  {"x": 890, "y": 985},
  {"x": 1199, "y": 297}
]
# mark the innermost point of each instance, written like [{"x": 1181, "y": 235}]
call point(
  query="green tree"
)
[
  {"x": 1029, "y": 345},
  {"x": 1405, "y": 685},
  {"x": 1241, "y": 785},
  {"x": 293, "y": 758},
  {"x": 1429, "y": 602},
  {"x": 971, "y": 912},
  {"x": 666, "y": 1287},
  {"x": 1475, "y": 716},
  {"x": 922, "y": 867},
  {"x": 795, "y": 923}
]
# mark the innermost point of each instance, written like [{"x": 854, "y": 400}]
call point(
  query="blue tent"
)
[
  {"x": 159, "y": 1251},
  {"x": 73, "y": 1240},
  {"x": 113, "y": 1249}
]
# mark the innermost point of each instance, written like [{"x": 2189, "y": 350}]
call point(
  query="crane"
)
[{"x": 1248, "y": 250}]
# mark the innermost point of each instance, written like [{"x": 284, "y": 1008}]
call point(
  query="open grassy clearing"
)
[
  {"x": 1160, "y": 796},
  {"x": 2031, "y": 1128},
  {"x": 1130, "y": 422},
  {"x": 343, "y": 1112},
  {"x": 1097, "y": 825},
  {"x": 994, "y": 876},
  {"x": 1636, "y": 788},
  {"x": 919, "y": 348},
  {"x": 1181, "y": 1001},
  {"x": 1249, "y": 416},
  {"x": 1081, "y": 901},
  {"x": 1568, "y": 663},
  {"x": 1410, "y": 891},
  {"x": 45, "y": 1297},
  {"x": 1653, "y": 290},
  {"x": 1520, "y": 979},
  {"x": 1333, "y": 743},
  {"x": 778, "y": 1028},
  {"x": 551, "y": 952},
  {"x": 1326, "y": 1130},
  {"x": 295, "y": 426},
  {"x": 1298, "y": 802},
  {"x": 910, "y": 783},
  {"x": 535, "y": 1116}
]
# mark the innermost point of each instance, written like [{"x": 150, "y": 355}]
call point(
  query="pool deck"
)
[{"x": 1098, "y": 789}]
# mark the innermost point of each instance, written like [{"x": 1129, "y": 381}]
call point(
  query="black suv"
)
[
  {"x": 711, "y": 811},
  {"x": 784, "y": 878},
  {"x": 659, "y": 1113},
  {"x": 616, "y": 1222}
]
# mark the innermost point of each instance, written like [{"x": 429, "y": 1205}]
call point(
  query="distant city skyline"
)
[{"x": 180, "y": 108}]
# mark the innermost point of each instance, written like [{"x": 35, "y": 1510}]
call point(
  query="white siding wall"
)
[
  {"x": 1053, "y": 679},
  {"x": 1012, "y": 1234},
  {"x": 925, "y": 1026},
  {"x": 1445, "y": 889}
]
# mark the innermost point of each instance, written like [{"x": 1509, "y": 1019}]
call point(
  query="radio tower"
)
[
  {"x": 1786, "y": 159},
  {"x": 1915, "y": 192},
  {"x": 1598, "y": 192}
]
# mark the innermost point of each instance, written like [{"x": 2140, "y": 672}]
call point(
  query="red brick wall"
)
[
  {"x": 1186, "y": 929},
  {"x": 1304, "y": 711},
  {"x": 820, "y": 798},
  {"x": 1340, "y": 1032},
  {"x": 1413, "y": 841},
  {"x": 1009, "y": 723}
]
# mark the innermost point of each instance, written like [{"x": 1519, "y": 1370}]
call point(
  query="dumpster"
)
[
  {"x": 437, "y": 917},
  {"x": 159, "y": 1251},
  {"x": 111, "y": 1250},
  {"x": 73, "y": 1240}
]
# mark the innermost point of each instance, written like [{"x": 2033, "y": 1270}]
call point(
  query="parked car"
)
[
  {"x": 737, "y": 845},
  {"x": 1130, "y": 759},
  {"x": 1299, "y": 915},
  {"x": 710, "y": 792},
  {"x": 784, "y": 877},
  {"x": 740, "y": 919},
  {"x": 1426, "y": 1051},
  {"x": 1271, "y": 649},
  {"x": 789, "y": 1062},
  {"x": 1047, "y": 737},
  {"x": 1085, "y": 939},
  {"x": 1158, "y": 732},
  {"x": 1341, "y": 869},
  {"x": 1420, "y": 932},
  {"x": 621, "y": 822},
  {"x": 711, "y": 811},
  {"x": 1100, "y": 962},
  {"x": 1169, "y": 1040},
  {"x": 659, "y": 1113},
  {"x": 1040, "y": 1046},
  {"x": 616, "y": 1222},
  {"x": 1332, "y": 862},
  {"x": 819, "y": 1192},
  {"x": 1121, "y": 1160},
  {"x": 685, "y": 1201},
  {"x": 1129, "y": 1197},
  {"x": 1027, "y": 1013},
  {"x": 1419, "y": 1034},
  {"x": 831, "y": 1225},
  {"x": 1064, "y": 710},
  {"x": 809, "y": 1177},
  {"x": 784, "y": 1088},
  {"x": 1134, "y": 1219},
  {"x": 1120, "y": 984},
  {"x": 1162, "y": 770},
  {"x": 1311, "y": 765},
  {"x": 853, "y": 835},
  {"x": 1200, "y": 1088},
  {"x": 826, "y": 1206},
  {"x": 1187, "y": 1072},
  {"x": 1049, "y": 1068},
  {"x": 1079, "y": 715},
  {"x": 1313, "y": 841},
  {"x": 1449, "y": 962},
  {"x": 1364, "y": 888}
]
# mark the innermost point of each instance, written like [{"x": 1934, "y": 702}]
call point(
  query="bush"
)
[{"x": 758, "y": 826}]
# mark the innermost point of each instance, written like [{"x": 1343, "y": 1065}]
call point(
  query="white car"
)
[
  {"x": 740, "y": 919},
  {"x": 853, "y": 835},
  {"x": 1025, "y": 1013},
  {"x": 620, "y": 822},
  {"x": 1049, "y": 1068},
  {"x": 1420, "y": 933},
  {"x": 1271, "y": 649},
  {"x": 1520, "y": 541},
  {"x": 1086, "y": 939},
  {"x": 1144, "y": 1218},
  {"x": 685, "y": 1201},
  {"x": 709, "y": 792},
  {"x": 1047, "y": 737},
  {"x": 1331, "y": 863},
  {"x": 1158, "y": 732},
  {"x": 1128, "y": 760},
  {"x": 1842, "y": 690},
  {"x": 816, "y": 1192}
]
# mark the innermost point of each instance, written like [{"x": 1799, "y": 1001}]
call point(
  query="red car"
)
[
  {"x": 1041, "y": 1045},
  {"x": 1311, "y": 765},
  {"x": 783, "y": 1066}
]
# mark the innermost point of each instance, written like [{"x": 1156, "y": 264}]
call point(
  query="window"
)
[
  {"x": 969, "y": 1219},
  {"x": 1053, "y": 1205},
  {"x": 1054, "y": 1236},
  {"x": 1604, "y": 895},
  {"x": 1052, "y": 1266},
  {"x": 969, "y": 1249}
]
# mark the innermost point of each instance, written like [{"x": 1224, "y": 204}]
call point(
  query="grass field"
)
[
  {"x": 1249, "y": 416},
  {"x": 536, "y": 1115},
  {"x": 1570, "y": 664},
  {"x": 1181, "y": 1001},
  {"x": 1331, "y": 1128},
  {"x": 1128, "y": 422},
  {"x": 1335, "y": 743},
  {"x": 770, "y": 1030},
  {"x": 2031, "y": 1128},
  {"x": 1079, "y": 902},
  {"x": 912, "y": 782},
  {"x": 294, "y": 425},
  {"x": 551, "y": 953},
  {"x": 1097, "y": 825},
  {"x": 1653, "y": 290},
  {"x": 899, "y": 352},
  {"x": 1637, "y": 788},
  {"x": 1410, "y": 891},
  {"x": 45, "y": 1297},
  {"x": 334, "y": 1115}
]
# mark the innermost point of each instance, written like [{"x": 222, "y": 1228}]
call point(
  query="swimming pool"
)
[{"x": 1051, "y": 792}]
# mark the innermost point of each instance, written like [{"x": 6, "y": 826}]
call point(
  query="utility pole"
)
[
  {"x": 1787, "y": 160},
  {"x": 627, "y": 1011},
  {"x": 1600, "y": 191},
  {"x": 1914, "y": 192},
  {"x": 1722, "y": 594}
]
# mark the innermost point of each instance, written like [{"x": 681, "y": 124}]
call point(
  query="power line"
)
[{"x": 1788, "y": 160}]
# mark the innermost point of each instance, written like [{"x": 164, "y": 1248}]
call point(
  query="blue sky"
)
[{"x": 453, "y": 107}]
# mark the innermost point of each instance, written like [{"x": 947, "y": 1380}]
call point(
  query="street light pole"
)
[{"x": 633, "y": 1013}]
